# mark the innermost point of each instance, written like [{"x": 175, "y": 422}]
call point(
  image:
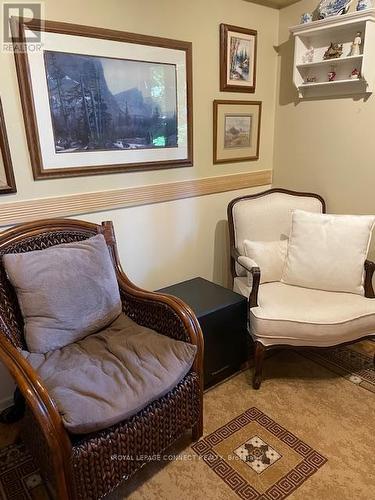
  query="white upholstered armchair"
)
[{"x": 288, "y": 310}]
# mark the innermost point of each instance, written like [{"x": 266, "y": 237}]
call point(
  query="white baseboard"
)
[{"x": 6, "y": 402}]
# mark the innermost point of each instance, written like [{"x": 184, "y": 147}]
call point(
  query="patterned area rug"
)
[
  {"x": 293, "y": 454},
  {"x": 19, "y": 477},
  {"x": 257, "y": 458},
  {"x": 355, "y": 365}
]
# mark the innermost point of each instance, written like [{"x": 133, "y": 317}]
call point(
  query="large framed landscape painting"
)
[
  {"x": 236, "y": 131},
  {"x": 238, "y": 52},
  {"x": 102, "y": 101},
  {"x": 7, "y": 181}
]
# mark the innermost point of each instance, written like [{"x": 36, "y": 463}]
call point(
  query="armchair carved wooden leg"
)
[{"x": 260, "y": 351}]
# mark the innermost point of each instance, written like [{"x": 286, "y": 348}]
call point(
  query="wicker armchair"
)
[{"x": 80, "y": 467}]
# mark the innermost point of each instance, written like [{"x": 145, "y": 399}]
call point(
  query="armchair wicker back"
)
[{"x": 83, "y": 468}]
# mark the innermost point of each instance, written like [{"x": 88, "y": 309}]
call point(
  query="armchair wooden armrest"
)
[
  {"x": 163, "y": 313},
  {"x": 44, "y": 411},
  {"x": 169, "y": 316},
  {"x": 369, "y": 272},
  {"x": 252, "y": 268}
]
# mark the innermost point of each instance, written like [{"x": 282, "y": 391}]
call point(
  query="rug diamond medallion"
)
[
  {"x": 257, "y": 454},
  {"x": 258, "y": 458}
]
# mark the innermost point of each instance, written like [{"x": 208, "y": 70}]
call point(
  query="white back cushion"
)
[
  {"x": 267, "y": 218},
  {"x": 269, "y": 257},
  {"x": 328, "y": 252}
]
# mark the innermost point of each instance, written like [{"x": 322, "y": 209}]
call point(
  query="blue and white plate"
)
[{"x": 329, "y": 8}]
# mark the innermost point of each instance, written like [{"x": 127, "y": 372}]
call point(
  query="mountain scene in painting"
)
[{"x": 100, "y": 103}]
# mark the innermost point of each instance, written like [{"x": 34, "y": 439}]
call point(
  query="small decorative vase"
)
[
  {"x": 364, "y": 4},
  {"x": 306, "y": 18}
]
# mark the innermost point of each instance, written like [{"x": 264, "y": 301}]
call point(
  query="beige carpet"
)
[
  {"x": 303, "y": 412},
  {"x": 332, "y": 415}
]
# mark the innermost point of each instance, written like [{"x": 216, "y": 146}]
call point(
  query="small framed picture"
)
[
  {"x": 238, "y": 51},
  {"x": 236, "y": 130},
  {"x": 7, "y": 182}
]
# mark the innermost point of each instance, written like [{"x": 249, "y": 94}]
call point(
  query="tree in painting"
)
[
  {"x": 110, "y": 104},
  {"x": 239, "y": 58}
]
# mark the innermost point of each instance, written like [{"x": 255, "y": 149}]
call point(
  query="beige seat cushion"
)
[
  {"x": 111, "y": 375},
  {"x": 292, "y": 315}
]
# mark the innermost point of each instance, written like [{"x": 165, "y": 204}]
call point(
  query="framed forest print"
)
[
  {"x": 238, "y": 53},
  {"x": 7, "y": 181},
  {"x": 101, "y": 101},
  {"x": 236, "y": 131}
]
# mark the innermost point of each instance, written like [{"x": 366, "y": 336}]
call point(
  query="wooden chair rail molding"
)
[{"x": 75, "y": 204}]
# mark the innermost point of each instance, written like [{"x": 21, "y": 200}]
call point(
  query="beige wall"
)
[
  {"x": 324, "y": 145},
  {"x": 162, "y": 243},
  {"x": 166, "y": 243},
  {"x": 196, "y": 21}
]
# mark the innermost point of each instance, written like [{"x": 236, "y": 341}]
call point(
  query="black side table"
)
[{"x": 222, "y": 315}]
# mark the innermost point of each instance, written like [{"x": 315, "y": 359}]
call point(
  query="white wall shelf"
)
[
  {"x": 332, "y": 62},
  {"x": 335, "y": 82},
  {"x": 318, "y": 35}
]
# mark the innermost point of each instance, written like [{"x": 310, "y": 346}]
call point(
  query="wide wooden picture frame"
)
[
  {"x": 7, "y": 180},
  {"x": 238, "y": 55},
  {"x": 236, "y": 131},
  {"x": 99, "y": 101}
]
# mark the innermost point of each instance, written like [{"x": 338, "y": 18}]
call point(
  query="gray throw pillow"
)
[{"x": 65, "y": 292}]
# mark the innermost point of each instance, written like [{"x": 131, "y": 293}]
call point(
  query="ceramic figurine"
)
[
  {"x": 308, "y": 56},
  {"x": 334, "y": 51},
  {"x": 364, "y": 4},
  {"x": 306, "y": 18},
  {"x": 355, "y": 75},
  {"x": 311, "y": 79},
  {"x": 355, "y": 50},
  {"x": 332, "y": 75}
]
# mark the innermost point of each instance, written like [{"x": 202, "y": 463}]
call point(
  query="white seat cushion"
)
[{"x": 291, "y": 315}]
